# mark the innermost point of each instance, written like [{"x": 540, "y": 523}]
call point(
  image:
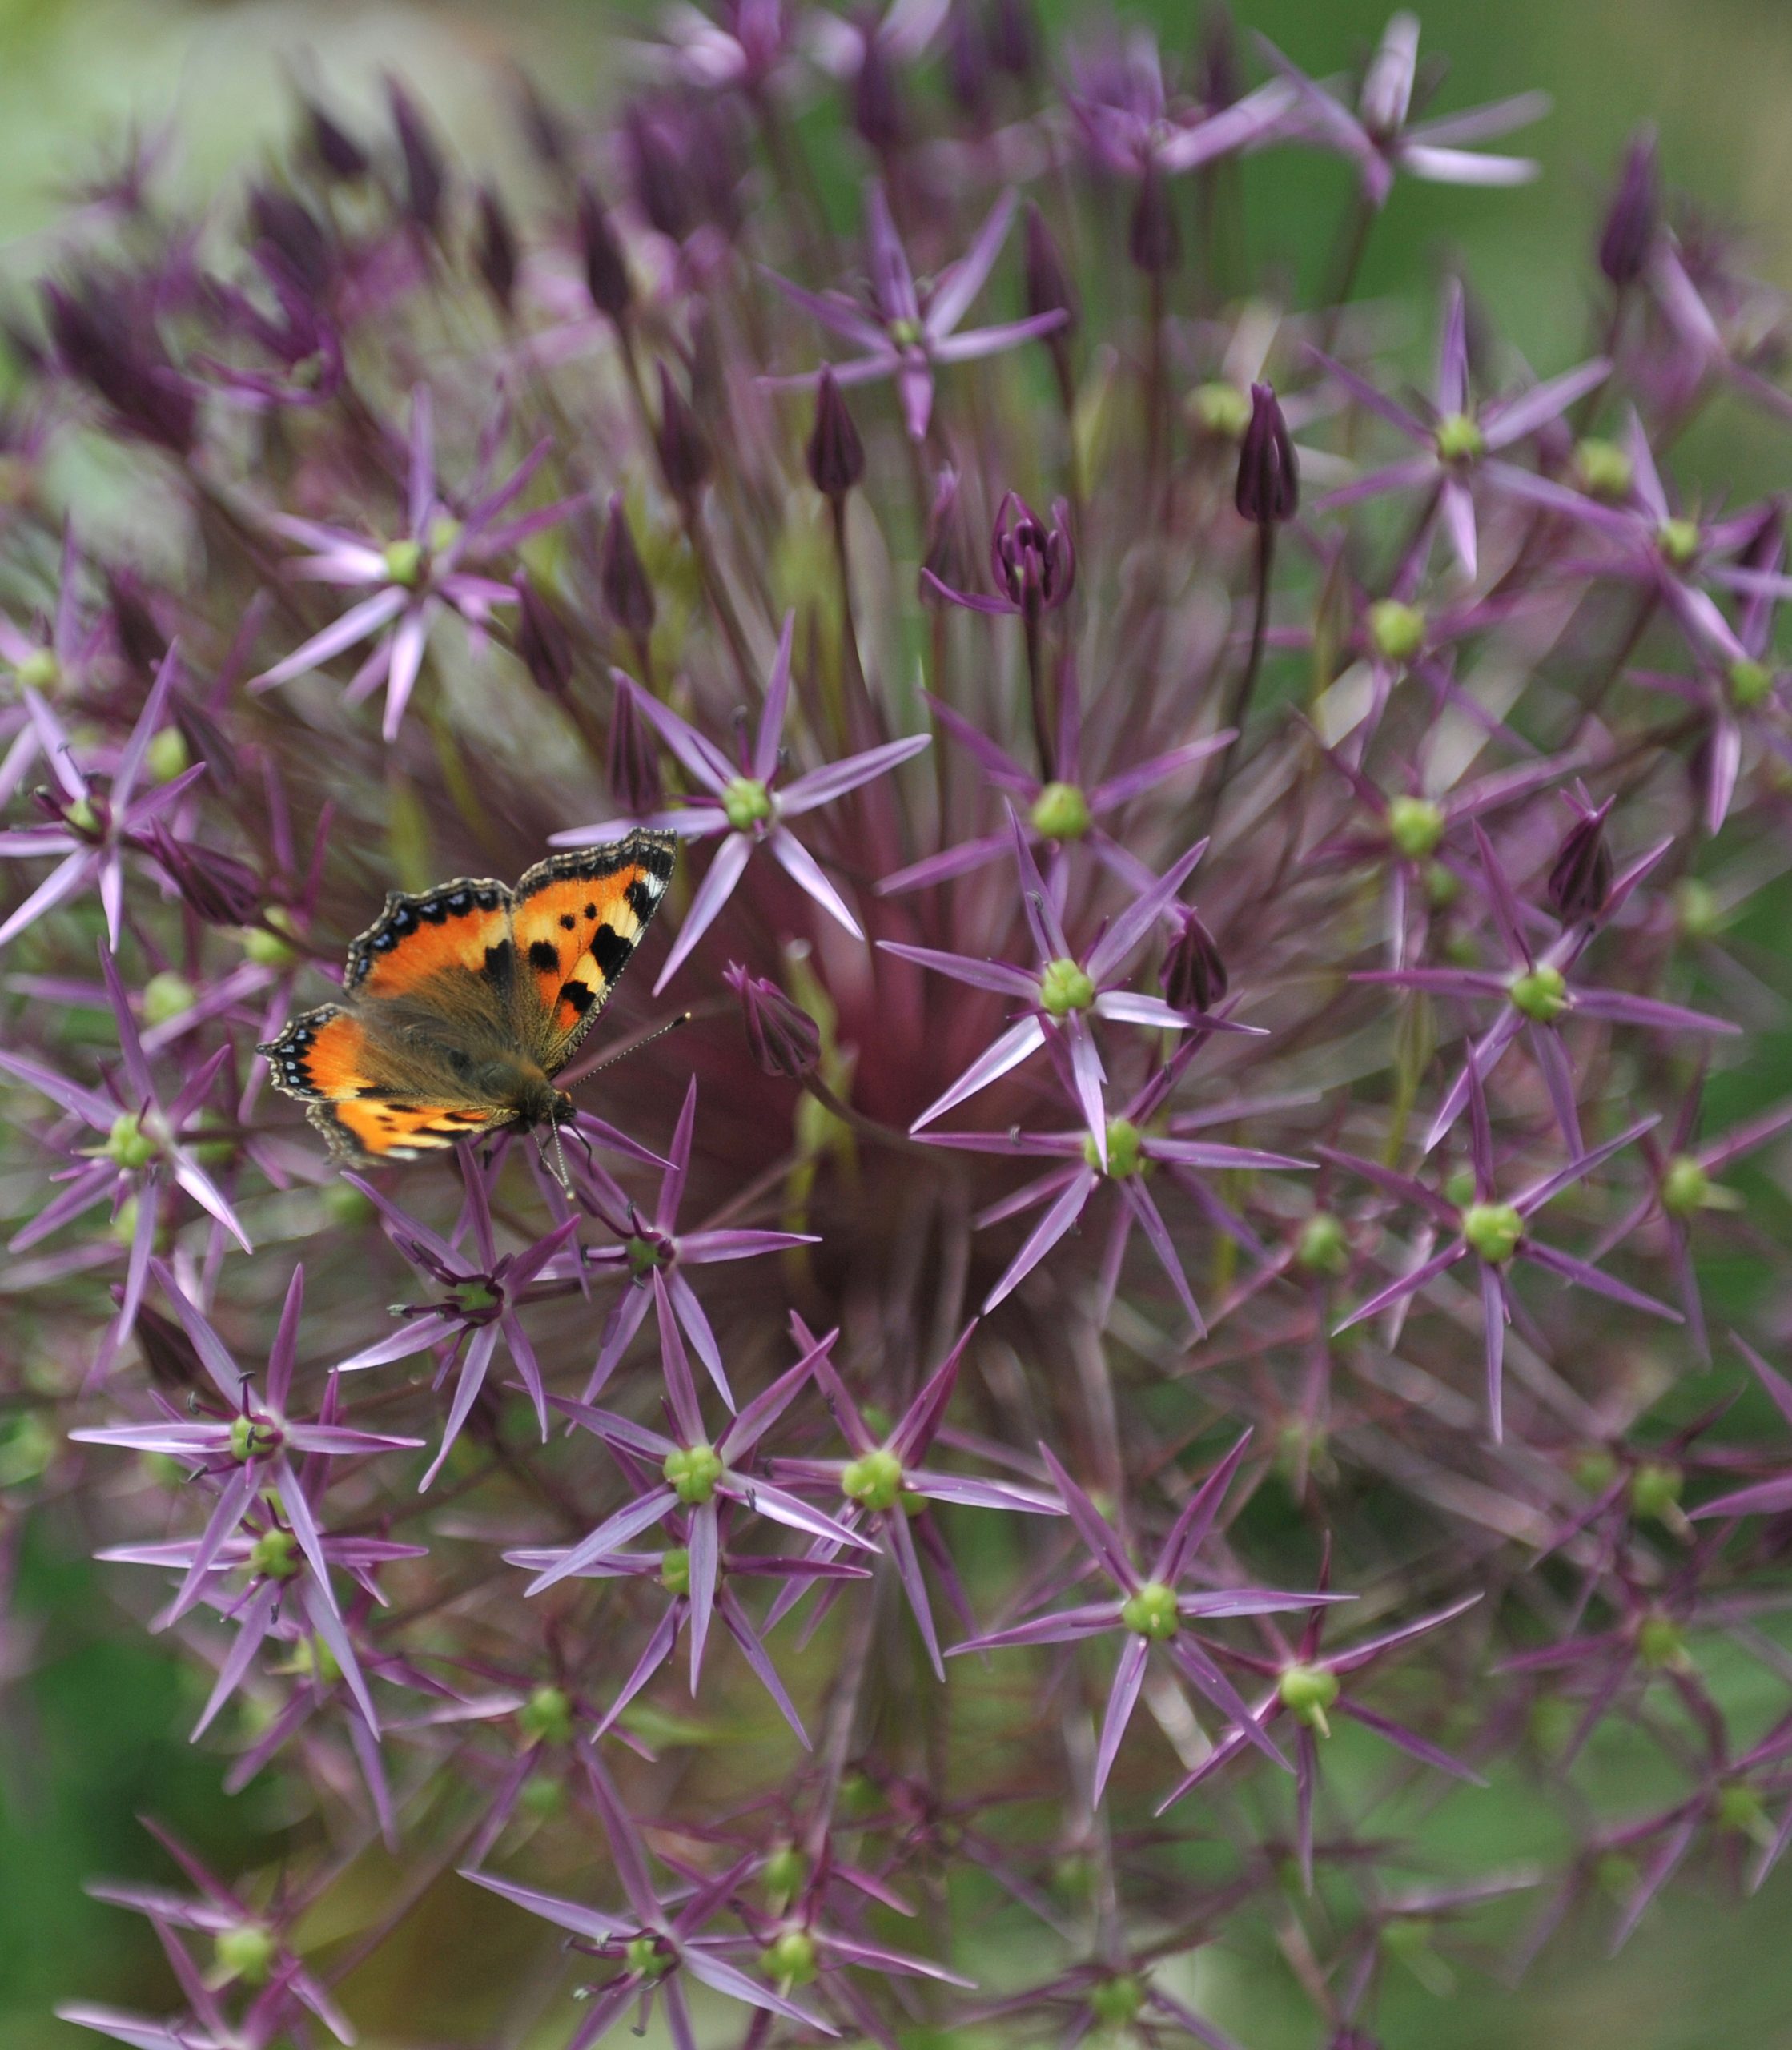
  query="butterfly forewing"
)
[{"x": 577, "y": 918}]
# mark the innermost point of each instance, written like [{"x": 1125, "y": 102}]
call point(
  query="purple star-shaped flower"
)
[
  {"x": 905, "y": 335},
  {"x": 427, "y": 570},
  {"x": 746, "y": 800}
]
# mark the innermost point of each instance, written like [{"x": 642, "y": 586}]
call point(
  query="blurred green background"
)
[{"x": 92, "y": 1719}]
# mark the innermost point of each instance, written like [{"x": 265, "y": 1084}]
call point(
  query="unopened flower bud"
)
[
  {"x": 332, "y": 147},
  {"x": 683, "y": 452},
  {"x": 877, "y": 99},
  {"x": 1581, "y": 879},
  {"x": 494, "y": 249},
  {"x": 1154, "y": 240},
  {"x": 1014, "y": 38},
  {"x": 425, "y": 174},
  {"x": 543, "y": 643},
  {"x": 1034, "y": 564},
  {"x": 836, "y": 454},
  {"x": 606, "y": 268},
  {"x": 1269, "y": 488},
  {"x": 1194, "y": 974},
  {"x": 1633, "y": 220},
  {"x": 633, "y": 765},
  {"x": 784, "y": 1039},
  {"x": 628, "y": 595}
]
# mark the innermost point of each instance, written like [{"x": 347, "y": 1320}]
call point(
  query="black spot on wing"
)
[
  {"x": 642, "y": 896},
  {"x": 544, "y": 955},
  {"x": 567, "y": 922},
  {"x": 580, "y": 995},
  {"x": 500, "y": 964},
  {"x": 610, "y": 951}
]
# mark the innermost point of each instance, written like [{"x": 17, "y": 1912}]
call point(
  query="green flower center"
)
[
  {"x": 1540, "y": 993},
  {"x": 128, "y": 1144},
  {"x": 471, "y": 1297},
  {"x": 40, "y": 670},
  {"x": 789, "y": 1958},
  {"x": 1659, "y": 1642},
  {"x": 1678, "y": 541},
  {"x": 786, "y": 1873},
  {"x": 1595, "y": 1471},
  {"x": 1751, "y": 683},
  {"x": 746, "y": 803},
  {"x": 1061, "y": 812},
  {"x": 253, "y": 1438},
  {"x": 1606, "y": 469},
  {"x": 1739, "y": 1807},
  {"x": 1323, "y": 1247},
  {"x": 1685, "y": 1186},
  {"x": 1152, "y": 1612},
  {"x": 166, "y": 995},
  {"x": 1220, "y": 409},
  {"x": 1307, "y": 1692},
  {"x": 1415, "y": 824},
  {"x": 1696, "y": 907},
  {"x": 1655, "y": 1488},
  {"x": 403, "y": 563},
  {"x": 875, "y": 1480},
  {"x": 905, "y": 333},
  {"x": 546, "y": 1717},
  {"x": 643, "y": 1955},
  {"x": 1493, "y": 1230},
  {"x": 1065, "y": 988},
  {"x": 1443, "y": 885},
  {"x": 81, "y": 816},
  {"x": 1115, "y": 2003},
  {"x": 675, "y": 1569},
  {"x": 275, "y": 1556},
  {"x": 1396, "y": 631},
  {"x": 693, "y": 1471},
  {"x": 246, "y": 1953},
  {"x": 1126, "y": 1149},
  {"x": 168, "y": 756},
  {"x": 445, "y": 531},
  {"x": 646, "y": 1255},
  {"x": 1459, "y": 438}
]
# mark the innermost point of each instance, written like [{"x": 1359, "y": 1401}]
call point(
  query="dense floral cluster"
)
[{"x": 1136, "y": 1358}]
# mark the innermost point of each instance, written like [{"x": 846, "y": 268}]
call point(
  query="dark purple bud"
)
[
  {"x": 172, "y": 1358},
  {"x": 1193, "y": 977},
  {"x": 1580, "y": 877},
  {"x": 684, "y": 451},
  {"x": 1633, "y": 218},
  {"x": 544, "y": 645},
  {"x": 1047, "y": 282},
  {"x": 288, "y": 226},
  {"x": 836, "y": 454},
  {"x": 606, "y": 268},
  {"x": 877, "y": 98},
  {"x": 494, "y": 249},
  {"x": 141, "y": 642},
  {"x": 102, "y": 342},
  {"x": 332, "y": 147},
  {"x": 206, "y": 740},
  {"x": 1268, "y": 487},
  {"x": 217, "y": 888},
  {"x": 1154, "y": 240},
  {"x": 664, "y": 153},
  {"x": 633, "y": 765},
  {"x": 628, "y": 595},
  {"x": 1035, "y": 564},
  {"x": 1220, "y": 80},
  {"x": 784, "y": 1039},
  {"x": 968, "y": 70},
  {"x": 1013, "y": 39},
  {"x": 425, "y": 174}
]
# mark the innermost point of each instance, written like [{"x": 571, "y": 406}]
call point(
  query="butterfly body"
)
[{"x": 460, "y": 1004}]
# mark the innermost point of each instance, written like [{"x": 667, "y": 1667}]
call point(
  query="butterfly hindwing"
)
[
  {"x": 577, "y": 918},
  {"x": 463, "y": 925},
  {"x": 354, "y": 1096}
]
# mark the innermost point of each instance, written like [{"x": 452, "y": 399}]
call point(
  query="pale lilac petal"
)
[
  {"x": 1013, "y": 1046},
  {"x": 962, "y": 282},
  {"x": 771, "y": 716},
  {"x": 713, "y": 893},
  {"x": 795, "y": 859},
  {"x": 355, "y": 625},
  {"x": 823, "y": 785},
  {"x": 1122, "y": 1698}
]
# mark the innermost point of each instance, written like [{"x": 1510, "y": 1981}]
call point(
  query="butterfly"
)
[{"x": 459, "y": 1005}]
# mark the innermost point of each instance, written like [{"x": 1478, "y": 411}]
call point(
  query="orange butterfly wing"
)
[
  {"x": 463, "y": 925},
  {"x": 326, "y": 1059},
  {"x": 577, "y": 918}
]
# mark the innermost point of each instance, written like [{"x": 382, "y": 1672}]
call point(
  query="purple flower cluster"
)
[{"x": 1177, "y": 1312}]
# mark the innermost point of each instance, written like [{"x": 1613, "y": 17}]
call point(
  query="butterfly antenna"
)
[
  {"x": 646, "y": 1039},
  {"x": 557, "y": 1164}
]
